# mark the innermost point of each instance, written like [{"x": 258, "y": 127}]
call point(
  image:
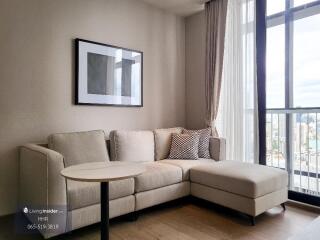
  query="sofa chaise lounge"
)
[{"x": 248, "y": 188}]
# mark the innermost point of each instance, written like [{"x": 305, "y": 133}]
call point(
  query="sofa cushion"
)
[
  {"x": 162, "y": 139},
  {"x": 203, "y": 140},
  {"x": 245, "y": 179},
  {"x": 157, "y": 175},
  {"x": 133, "y": 146},
  {"x": 186, "y": 165},
  {"x": 82, "y": 194},
  {"x": 80, "y": 147},
  {"x": 184, "y": 146}
]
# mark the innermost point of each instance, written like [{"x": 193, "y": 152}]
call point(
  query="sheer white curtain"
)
[{"x": 237, "y": 119}]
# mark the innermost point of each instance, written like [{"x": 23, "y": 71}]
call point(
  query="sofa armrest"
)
[
  {"x": 217, "y": 148},
  {"x": 41, "y": 184}
]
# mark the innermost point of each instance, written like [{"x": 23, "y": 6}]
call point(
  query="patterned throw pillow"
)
[
  {"x": 184, "y": 146},
  {"x": 203, "y": 141}
]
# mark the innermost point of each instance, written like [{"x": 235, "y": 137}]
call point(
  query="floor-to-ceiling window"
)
[{"x": 293, "y": 94}]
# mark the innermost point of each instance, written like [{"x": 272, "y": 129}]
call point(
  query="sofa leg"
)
[
  {"x": 252, "y": 220},
  {"x": 283, "y": 206},
  {"x": 132, "y": 217}
]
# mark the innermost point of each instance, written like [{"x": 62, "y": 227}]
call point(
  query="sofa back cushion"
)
[
  {"x": 163, "y": 139},
  {"x": 132, "y": 146},
  {"x": 80, "y": 147}
]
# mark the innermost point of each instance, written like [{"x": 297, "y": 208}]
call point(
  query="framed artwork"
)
[{"x": 108, "y": 75}]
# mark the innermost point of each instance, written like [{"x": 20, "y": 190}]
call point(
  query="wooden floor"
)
[{"x": 186, "y": 221}]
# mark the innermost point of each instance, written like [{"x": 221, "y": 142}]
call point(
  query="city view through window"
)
[{"x": 293, "y": 91}]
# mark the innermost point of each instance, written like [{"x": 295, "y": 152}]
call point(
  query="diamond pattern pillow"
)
[
  {"x": 203, "y": 141},
  {"x": 184, "y": 146}
]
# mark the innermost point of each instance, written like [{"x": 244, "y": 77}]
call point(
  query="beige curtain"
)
[{"x": 215, "y": 14}]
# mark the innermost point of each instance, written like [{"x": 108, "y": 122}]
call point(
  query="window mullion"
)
[{"x": 289, "y": 87}]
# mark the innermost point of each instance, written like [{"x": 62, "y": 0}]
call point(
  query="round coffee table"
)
[{"x": 103, "y": 172}]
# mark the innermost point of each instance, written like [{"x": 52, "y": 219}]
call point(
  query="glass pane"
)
[
  {"x": 275, "y": 75},
  {"x": 301, "y": 2},
  {"x": 276, "y": 140},
  {"x": 275, "y": 6},
  {"x": 305, "y": 147},
  {"x": 306, "y": 62}
]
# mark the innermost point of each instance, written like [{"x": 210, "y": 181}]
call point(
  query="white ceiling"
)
[{"x": 179, "y": 7}]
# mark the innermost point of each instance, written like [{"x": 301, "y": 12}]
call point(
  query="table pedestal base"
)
[{"x": 104, "y": 197}]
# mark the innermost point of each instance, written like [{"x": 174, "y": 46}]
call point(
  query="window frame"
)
[{"x": 286, "y": 17}]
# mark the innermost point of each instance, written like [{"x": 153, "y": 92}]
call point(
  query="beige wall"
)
[
  {"x": 37, "y": 72},
  {"x": 195, "y": 70}
]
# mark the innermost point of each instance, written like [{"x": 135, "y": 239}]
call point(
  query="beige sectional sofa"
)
[{"x": 251, "y": 189}]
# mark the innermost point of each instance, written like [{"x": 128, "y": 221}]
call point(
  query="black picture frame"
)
[{"x": 78, "y": 100}]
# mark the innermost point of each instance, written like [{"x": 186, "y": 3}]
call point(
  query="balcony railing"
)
[{"x": 293, "y": 143}]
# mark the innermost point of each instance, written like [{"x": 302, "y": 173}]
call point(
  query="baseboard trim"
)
[{"x": 303, "y": 206}]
